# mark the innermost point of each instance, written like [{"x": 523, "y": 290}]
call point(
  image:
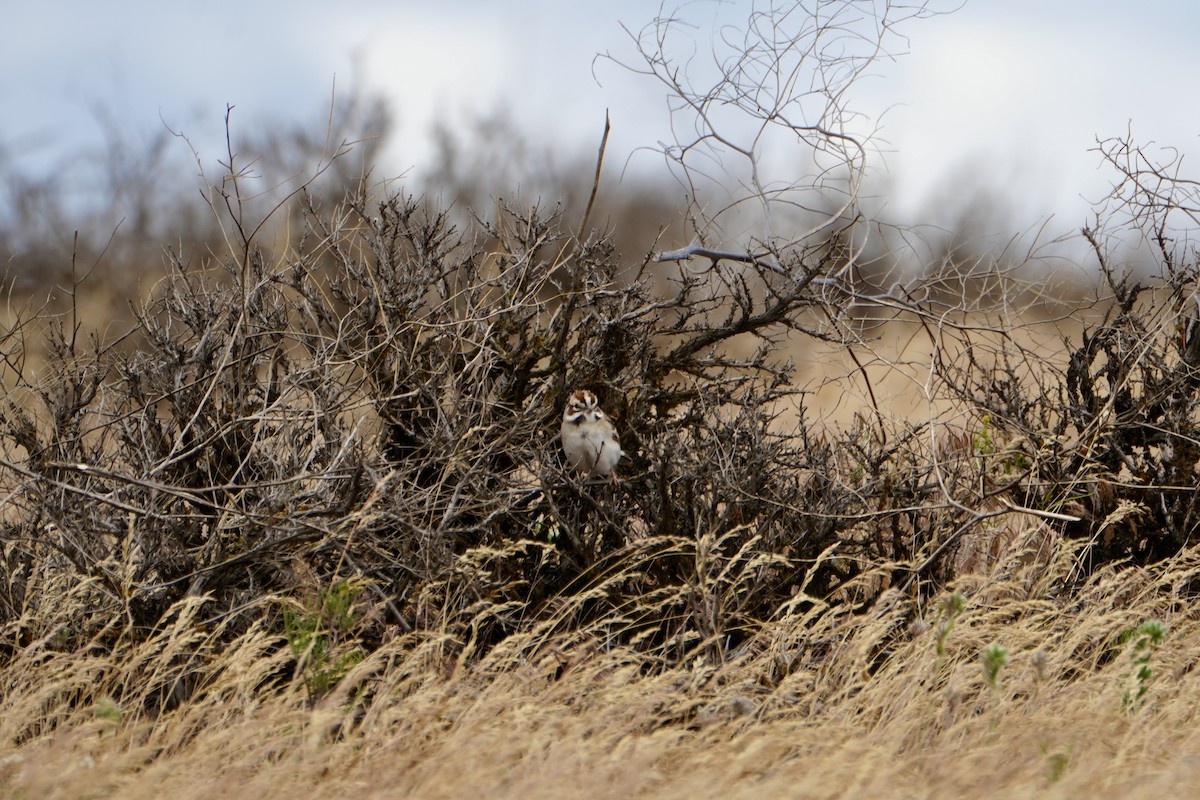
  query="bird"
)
[{"x": 589, "y": 438}]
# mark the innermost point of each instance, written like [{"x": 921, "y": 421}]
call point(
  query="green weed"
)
[{"x": 318, "y": 633}]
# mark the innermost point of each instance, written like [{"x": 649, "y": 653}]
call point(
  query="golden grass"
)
[
  {"x": 898, "y": 361},
  {"x": 821, "y": 703}
]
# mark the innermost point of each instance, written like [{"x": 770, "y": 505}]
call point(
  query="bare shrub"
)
[
  {"x": 367, "y": 417},
  {"x": 381, "y": 406},
  {"x": 1106, "y": 428}
]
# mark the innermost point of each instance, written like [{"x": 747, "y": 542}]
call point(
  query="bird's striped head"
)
[{"x": 582, "y": 405}]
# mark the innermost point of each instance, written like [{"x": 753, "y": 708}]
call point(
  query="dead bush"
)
[{"x": 382, "y": 406}]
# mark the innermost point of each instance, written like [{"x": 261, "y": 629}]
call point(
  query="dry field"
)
[{"x": 823, "y": 704}]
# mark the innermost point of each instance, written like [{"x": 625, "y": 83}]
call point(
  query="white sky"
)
[{"x": 1011, "y": 94}]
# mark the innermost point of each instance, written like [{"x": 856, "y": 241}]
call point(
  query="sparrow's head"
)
[{"x": 582, "y": 405}]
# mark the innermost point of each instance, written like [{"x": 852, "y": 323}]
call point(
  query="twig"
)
[
  {"x": 596, "y": 180},
  {"x": 692, "y": 250}
]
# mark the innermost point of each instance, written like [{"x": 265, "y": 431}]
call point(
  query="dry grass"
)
[{"x": 819, "y": 704}]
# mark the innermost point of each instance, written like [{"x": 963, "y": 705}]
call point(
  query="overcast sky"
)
[{"x": 1012, "y": 94}]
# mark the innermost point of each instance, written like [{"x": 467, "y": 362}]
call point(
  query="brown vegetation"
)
[
  {"x": 305, "y": 527},
  {"x": 310, "y": 518}
]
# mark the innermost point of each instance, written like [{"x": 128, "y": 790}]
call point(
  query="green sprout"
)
[
  {"x": 995, "y": 658},
  {"x": 315, "y": 633},
  {"x": 1146, "y": 639},
  {"x": 951, "y": 608}
]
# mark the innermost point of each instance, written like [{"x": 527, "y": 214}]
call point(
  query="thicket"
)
[{"x": 352, "y": 439}]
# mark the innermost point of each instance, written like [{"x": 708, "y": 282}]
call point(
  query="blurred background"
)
[{"x": 986, "y": 116}]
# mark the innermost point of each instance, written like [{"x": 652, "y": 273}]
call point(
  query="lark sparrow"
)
[{"x": 588, "y": 436}]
